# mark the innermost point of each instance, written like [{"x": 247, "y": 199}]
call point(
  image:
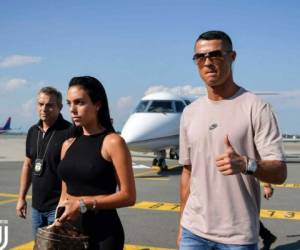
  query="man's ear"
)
[{"x": 233, "y": 55}]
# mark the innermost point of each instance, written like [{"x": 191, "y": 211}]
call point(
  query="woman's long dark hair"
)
[{"x": 97, "y": 93}]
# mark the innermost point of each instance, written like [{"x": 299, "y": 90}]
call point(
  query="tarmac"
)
[{"x": 152, "y": 223}]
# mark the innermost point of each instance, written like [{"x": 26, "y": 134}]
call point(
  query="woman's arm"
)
[{"x": 115, "y": 150}]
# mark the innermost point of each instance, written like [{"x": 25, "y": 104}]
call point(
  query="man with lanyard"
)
[{"x": 43, "y": 146}]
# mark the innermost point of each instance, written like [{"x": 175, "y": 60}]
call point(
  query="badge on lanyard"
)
[
  {"x": 38, "y": 164},
  {"x": 38, "y": 167}
]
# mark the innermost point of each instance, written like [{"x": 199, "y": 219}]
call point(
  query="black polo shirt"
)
[{"x": 46, "y": 188}]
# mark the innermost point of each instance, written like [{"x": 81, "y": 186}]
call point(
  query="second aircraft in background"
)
[{"x": 6, "y": 126}]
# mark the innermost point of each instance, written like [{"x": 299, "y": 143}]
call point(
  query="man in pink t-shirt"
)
[{"x": 229, "y": 140}]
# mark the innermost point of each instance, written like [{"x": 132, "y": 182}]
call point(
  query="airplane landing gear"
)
[
  {"x": 162, "y": 164},
  {"x": 174, "y": 153},
  {"x": 154, "y": 162},
  {"x": 160, "y": 160}
]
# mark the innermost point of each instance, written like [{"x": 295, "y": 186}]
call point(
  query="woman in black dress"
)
[{"x": 94, "y": 163}]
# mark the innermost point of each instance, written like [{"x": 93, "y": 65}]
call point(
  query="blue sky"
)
[{"x": 136, "y": 46}]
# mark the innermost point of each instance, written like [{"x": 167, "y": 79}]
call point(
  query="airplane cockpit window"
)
[
  {"x": 187, "y": 102},
  {"x": 142, "y": 106},
  {"x": 161, "y": 107},
  {"x": 179, "y": 106}
]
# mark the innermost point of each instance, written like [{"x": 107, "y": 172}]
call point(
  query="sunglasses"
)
[{"x": 215, "y": 55}]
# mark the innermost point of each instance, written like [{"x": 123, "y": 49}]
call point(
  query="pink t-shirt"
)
[{"x": 222, "y": 208}]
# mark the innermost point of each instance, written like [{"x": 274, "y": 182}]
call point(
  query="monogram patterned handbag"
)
[{"x": 62, "y": 237}]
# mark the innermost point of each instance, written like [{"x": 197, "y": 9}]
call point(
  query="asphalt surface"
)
[{"x": 155, "y": 228}]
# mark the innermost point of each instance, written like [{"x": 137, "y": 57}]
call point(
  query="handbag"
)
[{"x": 60, "y": 237}]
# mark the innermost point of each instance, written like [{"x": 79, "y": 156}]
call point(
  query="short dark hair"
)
[
  {"x": 216, "y": 35},
  {"x": 96, "y": 92},
  {"x": 48, "y": 90}
]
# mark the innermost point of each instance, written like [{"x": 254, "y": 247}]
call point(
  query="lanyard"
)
[{"x": 37, "y": 145}]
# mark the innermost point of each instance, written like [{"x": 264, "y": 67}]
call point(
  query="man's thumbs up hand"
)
[{"x": 230, "y": 162}]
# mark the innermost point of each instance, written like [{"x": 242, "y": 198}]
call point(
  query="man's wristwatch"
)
[
  {"x": 82, "y": 206},
  {"x": 251, "y": 167}
]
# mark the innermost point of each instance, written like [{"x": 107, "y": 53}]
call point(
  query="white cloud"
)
[
  {"x": 178, "y": 90},
  {"x": 125, "y": 103},
  {"x": 18, "y": 60},
  {"x": 27, "y": 108},
  {"x": 14, "y": 84}
]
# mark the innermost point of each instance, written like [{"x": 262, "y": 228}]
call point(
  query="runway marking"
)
[
  {"x": 163, "y": 206},
  {"x": 138, "y": 166},
  {"x": 134, "y": 247},
  {"x": 155, "y": 178},
  {"x": 279, "y": 214},
  {"x": 153, "y": 170},
  {"x": 12, "y": 195},
  {"x": 8, "y": 201},
  {"x": 288, "y": 185},
  {"x": 8, "y": 195},
  {"x": 26, "y": 246},
  {"x": 264, "y": 213},
  {"x": 146, "y": 173},
  {"x": 14, "y": 198},
  {"x": 29, "y": 246}
]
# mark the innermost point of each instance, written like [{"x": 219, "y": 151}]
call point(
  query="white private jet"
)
[{"x": 154, "y": 125}]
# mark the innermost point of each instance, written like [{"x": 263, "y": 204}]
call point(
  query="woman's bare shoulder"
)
[
  {"x": 67, "y": 143},
  {"x": 113, "y": 139}
]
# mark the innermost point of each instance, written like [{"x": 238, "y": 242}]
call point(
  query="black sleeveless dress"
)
[{"x": 85, "y": 173}]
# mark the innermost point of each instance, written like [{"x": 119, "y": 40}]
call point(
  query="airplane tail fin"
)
[{"x": 7, "y": 124}]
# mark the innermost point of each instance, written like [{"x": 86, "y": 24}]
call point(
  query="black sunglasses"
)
[{"x": 213, "y": 55}]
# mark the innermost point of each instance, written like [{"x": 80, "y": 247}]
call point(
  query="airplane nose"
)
[
  {"x": 141, "y": 128},
  {"x": 131, "y": 131}
]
